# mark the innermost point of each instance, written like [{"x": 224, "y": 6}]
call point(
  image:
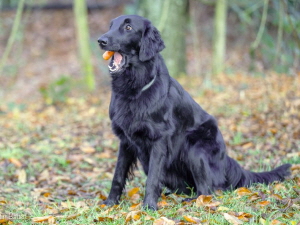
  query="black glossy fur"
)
[{"x": 178, "y": 144}]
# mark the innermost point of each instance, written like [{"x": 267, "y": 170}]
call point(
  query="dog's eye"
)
[{"x": 128, "y": 27}]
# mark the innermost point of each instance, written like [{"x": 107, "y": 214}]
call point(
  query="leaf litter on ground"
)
[{"x": 57, "y": 161}]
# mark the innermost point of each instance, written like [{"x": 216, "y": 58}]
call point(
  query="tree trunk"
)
[
  {"x": 170, "y": 18},
  {"x": 83, "y": 40},
  {"x": 219, "y": 44}
]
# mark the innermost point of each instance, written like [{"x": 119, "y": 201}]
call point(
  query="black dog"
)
[{"x": 178, "y": 144}]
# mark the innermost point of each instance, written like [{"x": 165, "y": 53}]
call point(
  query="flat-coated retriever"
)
[{"x": 178, "y": 144}]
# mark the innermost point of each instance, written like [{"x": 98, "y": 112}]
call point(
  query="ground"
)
[{"x": 57, "y": 160}]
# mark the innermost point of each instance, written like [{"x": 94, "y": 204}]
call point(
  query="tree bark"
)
[
  {"x": 170, "y": 18},
  {"x": 83, "y": 40},
  {"x": 219, "y": 44}
]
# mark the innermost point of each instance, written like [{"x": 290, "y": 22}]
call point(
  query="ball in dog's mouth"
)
[{"x": 116, "y": 62}]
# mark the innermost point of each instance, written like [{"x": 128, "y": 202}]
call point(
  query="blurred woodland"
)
[{"x": 203, "y": 38}]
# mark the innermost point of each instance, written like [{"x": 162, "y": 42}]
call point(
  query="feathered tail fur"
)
[{"x": 238, "y": 177}]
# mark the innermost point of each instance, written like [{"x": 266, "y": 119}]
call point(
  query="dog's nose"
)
[{"x": 103, "y": 41}]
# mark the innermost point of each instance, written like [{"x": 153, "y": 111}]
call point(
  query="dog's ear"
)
[{"x": 151, "y": 42}]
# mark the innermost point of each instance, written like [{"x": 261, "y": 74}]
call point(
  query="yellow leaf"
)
[
  {"x": 206, "y": 200},
  {"x": 42, "y": 219},
  {"x": 16, "y": 162},
  {"x": 133, "y": 191},
  {"x": 262, "y": 221},
  {"x": 47, "y": 194},
  {"x": 22, "y": 176},
  {"x": 87, "y": 149},
  {"x": 192, "y": 219},
  {"x": 254, "y": 197},
  {"x": 163, "y": 221},
  {"x": 135, "y": 206},
  {"x": 203, "y": 200},
  {"x": 244, "y": 216},
  {"x": 232, "y": 219},
  {"x": 162, "y": 203},
  {"x": 133, "y": 215},
  {"x": 243, "y": 191},
  {"x": 105, "y": 219},
  {"x": 276, "y": 196},
  {"x": 276, "y": 222},
  {"x": 263, "y": 203},
  {"x": 222, "y": 208}
]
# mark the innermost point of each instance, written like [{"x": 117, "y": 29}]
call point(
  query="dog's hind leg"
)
[{"x": 201, "y": 172}]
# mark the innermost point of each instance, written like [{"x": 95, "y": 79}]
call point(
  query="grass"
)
[{"x": 58, "y": 161}]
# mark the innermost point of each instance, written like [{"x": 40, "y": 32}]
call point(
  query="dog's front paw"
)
[
  {"x": 149, "y": 206},
  {"x": 110, "y": 202}
]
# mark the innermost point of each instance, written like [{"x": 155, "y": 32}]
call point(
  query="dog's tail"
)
[{"x": 238, "y": 177}]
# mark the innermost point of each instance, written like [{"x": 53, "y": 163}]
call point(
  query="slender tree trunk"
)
[
  {"x": 83, "y": 39},
  {"x": 12, "y": 35},
  {"x": 219, "y": 44},
  {"x": 170, "y": 18}
]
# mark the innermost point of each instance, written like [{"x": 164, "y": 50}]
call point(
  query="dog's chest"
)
[{"x": 137, "y": 122}]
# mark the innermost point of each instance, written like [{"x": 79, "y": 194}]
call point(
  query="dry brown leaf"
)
[
  {"x": 22, "y": 176},
  {"x": 4, "y": 221},
  {"x": 206, "y": 200},
  {"x": 42, "y": 219},
  {"x": 163, "y": 221},
  {"x": 133, "y": 215},
  {"x": 16, "y": 162},
  {"x": 87, "y": 149},
  {"x": 134, "y": 207},
  {"x": 133, "y": 191},
  {"x": 72, "y": 192},
  {"x": 279, "y": 186},
  {"x": 232, "y": 219},
  {"x": 222, "y": 208},
  {"x": 243, "y": 191},
  {"x": 203, "y": 200},
  {"x": 162, "y": 203},
  {"x": 276, "y": 222},
  {"x": 263, "y": 203},
  {"x": 44, "y": 175},
  {"x": 192, "y": 219},
  {"x": 244, "y": 216},
  {"x": 276, "y": 196},
  {"x": 105, "y": 219},
  {"x": 254, "y": 197}
]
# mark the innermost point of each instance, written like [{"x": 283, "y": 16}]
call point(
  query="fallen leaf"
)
[
  {"x": 263, "y": 203},
  {"x": 243, "y": 191},
  {"x": 162, "y": 203},
  {"x": 42, "y": 219},
  {"x": 133, "y": 215},
  {"x": 16, "y": 162},
  {"x": 133, "y": 191},
  {"x": 22, "y": 176},
  {"x": 222, "y": 208},
  {"x": 163, "y": 221},
  {"x": 206, "y": 200},
  {"x": 192, "y": 219},
  {"x": 105, "y": 219},
  {"x": 87, "y": 149},
  {"x": 135, "y": 206},
  {"x": 232, "y": 219},
  {"x": 244, "y": 216}
]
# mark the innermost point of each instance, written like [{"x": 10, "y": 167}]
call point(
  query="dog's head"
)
[{"x": 130, "y": 36}]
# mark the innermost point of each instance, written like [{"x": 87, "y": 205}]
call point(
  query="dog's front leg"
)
[
  {"x": 156, "y": 173},
  {"x": 126, "y": 159}
]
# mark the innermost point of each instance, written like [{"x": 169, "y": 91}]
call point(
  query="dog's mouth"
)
[{"x": 117, "y": 63}]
